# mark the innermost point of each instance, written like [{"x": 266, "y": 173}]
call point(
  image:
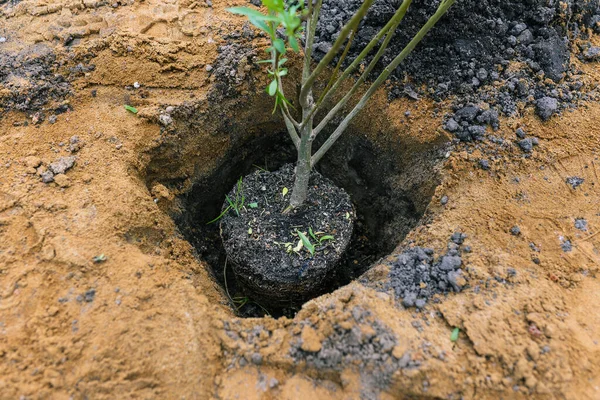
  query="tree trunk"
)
[{"x": 303, "y": 168}]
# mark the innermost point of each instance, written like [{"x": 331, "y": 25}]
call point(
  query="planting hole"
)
[{"x": 390, "y": 186}]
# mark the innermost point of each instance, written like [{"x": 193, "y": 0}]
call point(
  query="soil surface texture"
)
[
  {"x": 494, "y": 127},
  {"x": 273, "y": 263}
]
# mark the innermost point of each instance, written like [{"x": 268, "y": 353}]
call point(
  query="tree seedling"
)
[{"x": 283, "y": 24}]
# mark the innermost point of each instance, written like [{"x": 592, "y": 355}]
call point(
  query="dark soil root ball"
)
[{"x": 271, "y": 262}]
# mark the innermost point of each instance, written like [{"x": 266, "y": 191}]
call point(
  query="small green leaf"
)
[
  {"x": 281, "y": 61},
  {"x": 220, "y": 216},
  {"x": 264, "y": 61},
  {"x": 347, "y": 215},
  {"x": 249, "y": 231},
  {"x": 454, "y": 335},
  {"x": 99, "y": 259},
  {"x": 284, "y": 191},
  {"x": 279, "y": 45},
  {"x": 260, "y": 24},
  {"x": 250, "y": 13},
  {"x": 272, "y": 88},
  {"x": 131, "y": 109},
  {"x": 312, "y": 234},
  {"x": 294, "y": 44},
  {"x": 326, "y": 237},
  {"x": 253, "y": 205},
  {"x": 282, "y": 72},
  {"x": 306, "y": 242}
]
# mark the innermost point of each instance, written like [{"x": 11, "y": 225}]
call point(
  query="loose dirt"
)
[{"x": 101, "y": 296}]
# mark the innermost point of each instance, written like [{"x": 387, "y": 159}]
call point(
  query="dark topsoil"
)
[
  {"x": 255, "y": 241},
  {"x": 32, "y": 80},
  {"x": 467, "y": 56}
]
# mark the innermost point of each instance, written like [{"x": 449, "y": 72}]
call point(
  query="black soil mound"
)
[
  {"x": 503, "y": 54},
  {"x": 265, "y": 247}
]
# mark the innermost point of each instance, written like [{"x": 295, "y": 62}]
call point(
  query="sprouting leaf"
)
[
  {"x": 312, "y": 234},
  {"x": 131, "y": 109},
  {"x": 220, "y": 216},
  {"x": 282, "y": 72},
  {"x": 306, "y": 242},
  {"x": 249, "y": 231},
  {"x": 281, "y": 62},
  {"x": 250, "y": 13},
  {"x": 347, "y": 215},
  {"x": 260, "y": 24},
  {"x": 99, "y": 259},
  {"x": 326, "y": 237},
  {"x": 294, "y": 44},
  {"x": 272, "y": 88},
  {"x": 454, "y": 335},
  {"x": 253, "y": 205},
  {"x": 284, "y": 191},
  {"x": 279, "y": 45}
]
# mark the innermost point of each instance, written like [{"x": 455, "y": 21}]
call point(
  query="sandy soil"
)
[{"x": 150, "y": 322}]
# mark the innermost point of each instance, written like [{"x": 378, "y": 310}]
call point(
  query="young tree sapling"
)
[{"x": 285, "y": 19}]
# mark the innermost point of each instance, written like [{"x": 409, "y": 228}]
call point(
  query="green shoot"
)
[
  {"x": 131, "y": 109},
  {"x": 236, "y": 204},
  {"x": 306, "y": 242},
  {"x": 454, "y": 335}
]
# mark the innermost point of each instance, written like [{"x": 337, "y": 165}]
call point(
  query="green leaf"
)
[
  {"x": 279, "y": 45},
  {"x": 454, "y": 335},
  {"x": 253, "y": 205},
  {"x": 131, "y": 109},
  {"x": 251, "y": 13},
  {"x": 312, "y": 234},
  {"x": 282, "y": 72},
  {"x": 294, "y": 44},
  {"x": 272, "y": 88},
  {"x": 220, "y": 216},
  {"x": 260, "y": 24},
  {"x": 281, "y": 61},
  {"x": 284, "y": 191},
  {"x": 264, "y": 61},
  {"x": 282, "y": 99},
  {"x": 326, "y": 237},
  {"x": 306, "y": 242}
]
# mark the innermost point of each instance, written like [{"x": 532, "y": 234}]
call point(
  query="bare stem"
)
[
  {"x": 352, "y": 67},
  {"x": 398, "y": 18},
  {"x": 335, "y": 48},
  {"x": 311, "y": 28},
  {"x": 443, "y": 7}
]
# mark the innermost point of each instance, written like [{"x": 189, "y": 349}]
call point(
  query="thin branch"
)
[
  {"x": 335, "y": 48},
  {"x": 366, "y": 72},
  {"x": 291, "y": 130},
  {"x": 311, "y": 29},
  {"x": 375, "y": 41},
  {"x": 334, "y": 75},
  {"x": 381, "y": 79},
  {"x": 291, "y": 124}
]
